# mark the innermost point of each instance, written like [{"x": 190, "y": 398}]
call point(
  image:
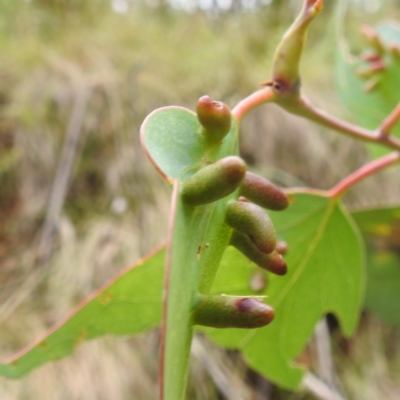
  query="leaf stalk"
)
[{"x": 364, "y": 172}]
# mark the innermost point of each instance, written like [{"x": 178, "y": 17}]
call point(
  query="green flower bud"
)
[
  {"x": 262, "y": 192},
  {"x": 286, "y": 61},
  {"x": 215, "y": 117},
  {"x": 214, "y": 181},
  {"x": 232, "y": 312},
  {"x": 272, "y": 262},
  {"x": 251, "y": 220}
]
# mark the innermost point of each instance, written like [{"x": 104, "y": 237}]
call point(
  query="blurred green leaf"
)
[
  {"x": 371, "y": 108},
  {"x": 325, "y": 274},
  {"x": 381, "y": 229},
  {"x": 129, "y": 304}
]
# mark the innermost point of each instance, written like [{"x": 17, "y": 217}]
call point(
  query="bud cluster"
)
[
  {"x": 376, "y": 59},
  {"x": 252, "y": 232}
]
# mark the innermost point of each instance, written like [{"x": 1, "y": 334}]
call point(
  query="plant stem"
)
[
  {"x": 167, "y": 273},
  {"x": 362, "y": 173},
  {"x": 389, "y": 122},
  {"x": 302, "y": 106},
  {"x": 306, "y": 109},
  {"x": 255, "y": 99}
]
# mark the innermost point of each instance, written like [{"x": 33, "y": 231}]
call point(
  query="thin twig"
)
[
  {"x": 320, "y": 389},
  {"x": 227, "y": 383},
  {"x": 167, "y": 273},
  {"x": 364, "y": 172},
  {"x": 63, "y": 174},
  {"x": 326, "y": 370},
  {"x": 389, "y": 122},
  {"x": 302, "y": 106},
  {"x": 255, "y": 99},
  {"x": 305, "y": 108}
]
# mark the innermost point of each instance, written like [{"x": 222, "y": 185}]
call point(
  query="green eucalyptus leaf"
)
[
  {"x": 371, "y": 108},
  {"x": 381, "y": 229},
  {"x": 130, "y": 304},
  {"x": 325, "y": 275}
]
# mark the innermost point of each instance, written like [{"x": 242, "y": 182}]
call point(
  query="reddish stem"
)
[
  {"x": 362, "y": 173},
  {"x": 168, "y": 259},
  {"x": 306, "y": 109},
  {"x": 255, "y": 99},
  {"x": 389, "y": 122}
]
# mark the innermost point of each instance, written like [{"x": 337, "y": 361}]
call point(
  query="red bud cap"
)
[
  {"x": 232, "y": 312},
  {"x": 215, "y": 117}
]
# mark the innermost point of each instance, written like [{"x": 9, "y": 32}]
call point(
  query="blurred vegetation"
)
[{"x": 76, "y": 81}]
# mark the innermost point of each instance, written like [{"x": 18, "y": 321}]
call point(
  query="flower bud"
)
[
  {"x": 286, "y": 60},
  {"x": 232, "y": 312},
  {"x": 214, "y": 181},
  {"x": 262, "y": 192},
  {"x": 215, "y": 117},
  {"x": 251, "y": 220},
  {"x": 272, "y": 262}
]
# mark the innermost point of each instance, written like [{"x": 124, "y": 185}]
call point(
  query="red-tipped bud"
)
[
  {"x": 214, "y": 181},
  {"x": 272, "y": 262},
  {"x": 215, "y": 117},
  {"x": 232, "y": 312},
  {"x": 251, "y": 220},
  {"x": 262, "y": 192}
]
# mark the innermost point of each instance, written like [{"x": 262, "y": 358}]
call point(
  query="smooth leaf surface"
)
[
  {"x": 381, "y": 229},
  {"x": 325, "y": 274},
  {"x": 370, "y": 109},
  {"x": 129, "y": 304}
]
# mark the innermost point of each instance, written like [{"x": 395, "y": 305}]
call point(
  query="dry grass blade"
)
[{"x": 62, "y": 178}]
